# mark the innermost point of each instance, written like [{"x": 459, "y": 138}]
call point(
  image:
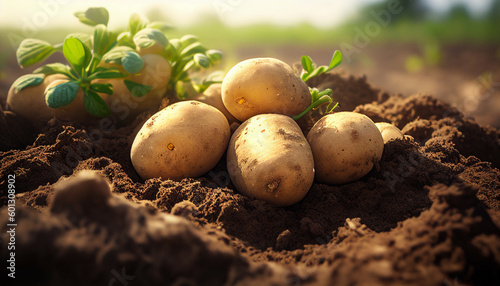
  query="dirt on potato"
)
[{"x": 427, "y": 214}]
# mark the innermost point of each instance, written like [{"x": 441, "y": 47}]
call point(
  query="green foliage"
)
[
  {"x": 93, "y": 16},
  {"x": 86, "y": 54},
  {"x": 27, "y": 81},
  {"x": 309, "y": 71},
  {"x": 61, "y": 94},
  {"x": 33, "y": 51}
]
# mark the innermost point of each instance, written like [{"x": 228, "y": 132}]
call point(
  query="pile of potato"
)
[{"x": 268, "y": 156}]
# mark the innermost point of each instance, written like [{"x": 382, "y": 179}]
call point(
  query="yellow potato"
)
[
  {"x": 212, "y": 96},
  {"x": 264, "y": 85},
  {"x": 156, "y": 72},
  {"x": 125, "y": 106},
  {"x": 185, "y": 139},
  {"x": 346, "y": 145},
  {"x": 389, "y": 132},
  {"x": 30, "y": 101},
  {"x": 269, "y": 158}
]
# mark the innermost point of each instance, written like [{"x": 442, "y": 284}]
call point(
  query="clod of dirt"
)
[{"x": 85, "y": 191}]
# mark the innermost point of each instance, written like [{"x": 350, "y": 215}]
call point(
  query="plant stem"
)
[{"x": 322, "y": 100}]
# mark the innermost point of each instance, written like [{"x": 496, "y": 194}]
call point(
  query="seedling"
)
[{"x": 318, "y": 98}]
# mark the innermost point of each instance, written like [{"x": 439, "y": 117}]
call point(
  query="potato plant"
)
[{"x": 137, "y": 67}]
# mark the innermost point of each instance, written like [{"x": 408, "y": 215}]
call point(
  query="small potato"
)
[
  {"x": 127, "y": 107},
  {"x": 212, "y": 96},
  {"x": 185, "y": 139},
  {"x": 264, "y": 85},
  {"x": 156, "y": 72},
  {"x": 30, "y": 101},
  {"x": 346, "y": 145},
  {"x": 389, "y": 132},
  {"x": 269, "y": 158}
]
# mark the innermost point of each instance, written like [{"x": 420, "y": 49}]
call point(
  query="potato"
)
[
  {"x": 212, "y": 96},
  {"x": 127, "y": 107},
  {"x": 185, "y": 139},
  {"x": 389, "y": 132},
  {"x": 156, "y": 72},
  {"x": 264, "y": 85},
  {"x": 30, "y": 101},
  {"x": 269, "y": 158},
  {"x": 346, "y": 145}
]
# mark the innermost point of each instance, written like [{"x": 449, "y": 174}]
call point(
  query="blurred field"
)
[{"x": 455, "y": 56}]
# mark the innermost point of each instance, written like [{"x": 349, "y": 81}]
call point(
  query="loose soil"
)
[{"x": 427, "y": 214}]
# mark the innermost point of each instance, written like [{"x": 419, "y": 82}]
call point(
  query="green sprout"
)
[
  {"x": 318, "y": 98},
  {"x": 187, "y": 55}
]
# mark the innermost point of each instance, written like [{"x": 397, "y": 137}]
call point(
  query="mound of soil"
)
[{"x": 427, "y": 214}]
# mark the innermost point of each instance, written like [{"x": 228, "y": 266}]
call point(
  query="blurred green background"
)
[{"x": 450, "y": 49}]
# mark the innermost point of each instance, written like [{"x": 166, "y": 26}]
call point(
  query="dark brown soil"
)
[{"x": 427, "y": 214}]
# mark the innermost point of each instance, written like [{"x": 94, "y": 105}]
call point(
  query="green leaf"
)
[
  {"x": 336, "y": 60},
  {"x": 187, "y": 40},
  {"x": 162, "y": 26},
  {"x": 215, "y": 56},
  {"x": 27, "y": 80},
  {"x": 176, "y": 44},
  {"x": 202, "y": 60},
  {"x": 116, "y": 54},
  {"x": 171, "y": 53},
  {"x": 106, "y": 88},
  {"x": 86, "y": 39},
  {"x": 147, "y": 37},
  {"x": 93, "y": 16},
  {"x": 32, "y": 51},
  {"x": 137, "y": 89},
  {"x": 61, "y": 94},
  {"x": 132, "y": 62},
  {"x": 192, "y": 49},
  {"x": 124, "y": 39},
  {"x": 95, "y": 105},
  {"x": 75, "y": 52},
  {"x": 307, "y": 63},
  {"x": 54, "y": 68},
  {"x": 103, "y": 40},
  {"x": 102, "y": 72},
  {"x": 135, "y": 24}
]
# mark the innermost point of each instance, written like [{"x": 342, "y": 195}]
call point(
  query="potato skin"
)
[
  {"x": 264, "y": 85},
  {"x": 185, "y": 139},
  {"x": 389, "y": 132},
  {"x": 30, "y": 101},
  {"x": 269, "y": 158},
  {"x": 346, "y": 145},
  {"x": 212, "y": 96}
]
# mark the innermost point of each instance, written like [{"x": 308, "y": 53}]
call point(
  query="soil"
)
[{"x": 427, "y": 214}]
